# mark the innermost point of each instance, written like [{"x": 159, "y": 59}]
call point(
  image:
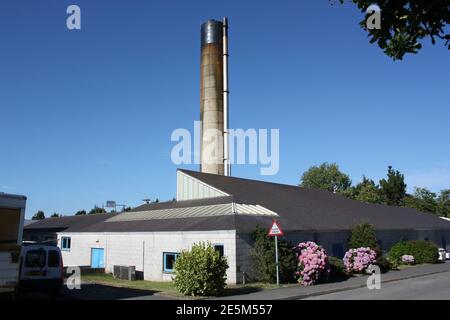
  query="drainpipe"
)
[{"x": 226, "y": 151}]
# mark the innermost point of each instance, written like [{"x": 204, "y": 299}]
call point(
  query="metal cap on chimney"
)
[{"x": 212, "y": 32}]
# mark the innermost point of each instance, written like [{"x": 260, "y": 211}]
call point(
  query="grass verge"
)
[
  {"x": 162, "y": 287},
  {"x": 167, "y": 288}
]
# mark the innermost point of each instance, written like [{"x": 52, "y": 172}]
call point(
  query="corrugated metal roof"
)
[
  {"x": 202, "y": 211},
  {"x": 191, "y": 212},
  {"x": 251, "y": 209}
]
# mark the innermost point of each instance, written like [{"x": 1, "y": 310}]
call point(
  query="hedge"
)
[{"x": 422, "y": 251}]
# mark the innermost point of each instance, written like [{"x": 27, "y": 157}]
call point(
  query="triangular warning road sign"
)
[{"x": 275, "y": 230}]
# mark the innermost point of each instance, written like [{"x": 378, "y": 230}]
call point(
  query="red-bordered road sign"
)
[{"x": 275, "y": 230}]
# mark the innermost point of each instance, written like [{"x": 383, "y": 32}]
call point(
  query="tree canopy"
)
[
  {"x": 394, "y": 187},
  {"x": 367, "y": 191},
  {"x": 40, "y": 215},
  {"x": 327, "y": 177},
  {"x": 404, "y": 23},
  {"x": 427, "y": 201},
  {"x": 443, "y": 203},
  {"x": 390, "y": 191},
  {"x": 97, "y": 210}
]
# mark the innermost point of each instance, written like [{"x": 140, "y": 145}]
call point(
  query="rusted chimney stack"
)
[{"x": 212, "y": 98}]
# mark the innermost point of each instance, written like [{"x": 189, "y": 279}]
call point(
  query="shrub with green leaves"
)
[
  {"x": 337, "y": 269},
  {"x": 422, "y": 251},
  {"x": 363, "y": 236},
  {"x": 384, "y": 264},
  {"x": 263, "y": 255},
  {"x": 200, "y": 271}
]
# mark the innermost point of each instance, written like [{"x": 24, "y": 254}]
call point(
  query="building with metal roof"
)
[{"x": 224, "y": 211}]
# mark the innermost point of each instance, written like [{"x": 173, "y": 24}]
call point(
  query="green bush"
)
[
  {"x": 384, "y": 264},
  {"x": 363, "y": 236},
  {"x": 263, "y": 255},
  {"x": 200, "y": 271},
  {"x": 422, "y": 251},
  {"x": 394, "y": 264},
  {"x": 337, "y": 269}
]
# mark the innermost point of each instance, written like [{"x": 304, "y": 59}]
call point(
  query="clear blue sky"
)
[{"x": 86, "y": 116}]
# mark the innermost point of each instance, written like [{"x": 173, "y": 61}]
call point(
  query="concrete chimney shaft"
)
[{"x": 211, "y": 98}]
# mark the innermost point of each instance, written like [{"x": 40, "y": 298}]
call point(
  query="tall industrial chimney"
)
[{"x": 212, "y": 93}]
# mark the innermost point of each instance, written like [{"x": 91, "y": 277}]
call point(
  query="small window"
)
[
  {"x": 65, "y": 243},
  {"x": 169, "y": 261},
  {"x": 219, "y": 248},
  {"x": 53, "y": 259},
  {"x": 35, "y": 259}
]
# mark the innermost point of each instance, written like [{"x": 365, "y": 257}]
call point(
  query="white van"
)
[{"x": 41, "y": 269}]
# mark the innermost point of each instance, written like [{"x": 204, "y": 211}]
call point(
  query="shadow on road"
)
[{"x": 102, "y": 292}]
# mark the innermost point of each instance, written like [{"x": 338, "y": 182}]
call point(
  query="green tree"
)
[
  {"x": 368, "y": 191},
  {"x": 40, "y": 215},
  {"x": 393, "y": 188},
  {"x": 405, "y": 22},
  {"x": 80, "y": 213},
  {"x": 422, "y": 200},
  {"x": 55, "y": 215},
  {"x": 97, "y": 210},
  {"x": 443, "y": 203},
  {"x": 263, "y": 255},
  {"x": 327, "y": 177}
]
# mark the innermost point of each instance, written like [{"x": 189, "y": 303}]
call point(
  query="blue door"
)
[{"x": 97, "y": 260}]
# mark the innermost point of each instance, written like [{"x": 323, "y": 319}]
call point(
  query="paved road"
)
[{"x": 436, "y": 286}]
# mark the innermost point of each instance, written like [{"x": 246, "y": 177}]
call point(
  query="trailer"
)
[{"x": 12, "y": 214}]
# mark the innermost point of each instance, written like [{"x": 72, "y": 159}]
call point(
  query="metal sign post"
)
[
  {"x": 275, "y": 231},
  {"x": 276, "y": 260}
]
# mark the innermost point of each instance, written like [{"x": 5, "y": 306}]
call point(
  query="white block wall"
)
[{"x": 144, "y": 250}]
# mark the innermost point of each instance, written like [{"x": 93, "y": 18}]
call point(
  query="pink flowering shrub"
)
[
  {"x": 312, "y": 263},
  {"x": 358, "y": 260},
  {"x": 408, "y": 259}
]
